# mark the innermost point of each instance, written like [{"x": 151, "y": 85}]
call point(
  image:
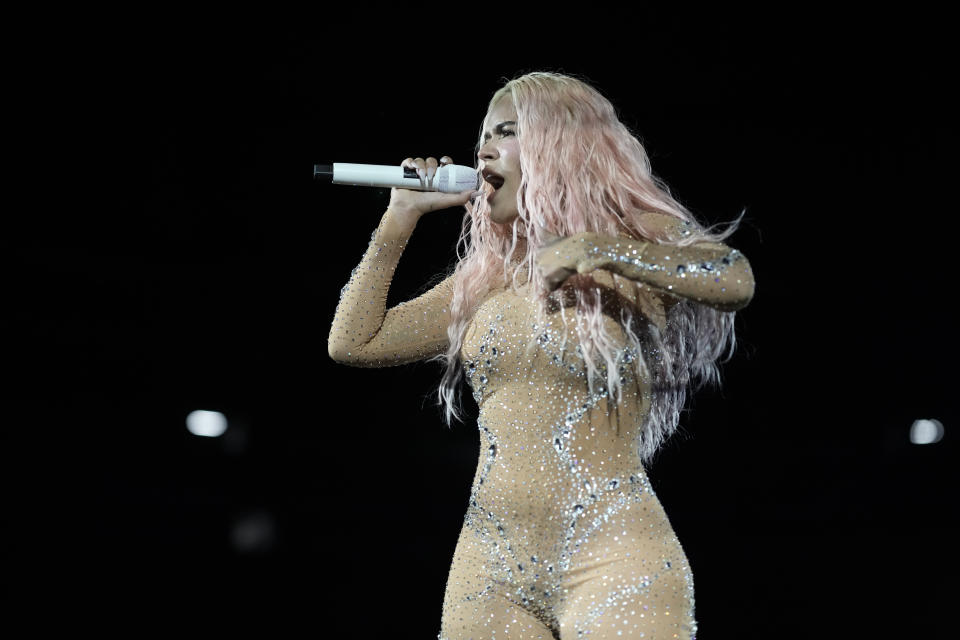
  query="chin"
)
[{"x": 500, "y": 218}]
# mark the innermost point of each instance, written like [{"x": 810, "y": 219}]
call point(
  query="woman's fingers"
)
[
  {"x": 557, "y": 260},
  {"x": 426, "y": 169},
  {"x": 421, "y": 170},
  {"x": 424, "y": 200},
  {"x": 554, "y": 279}
]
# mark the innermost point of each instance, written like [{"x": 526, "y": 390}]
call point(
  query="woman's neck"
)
[{"x": 520, "y": 251}]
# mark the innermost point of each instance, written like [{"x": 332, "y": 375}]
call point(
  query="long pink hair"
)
[{"x": 583, "y": 170}]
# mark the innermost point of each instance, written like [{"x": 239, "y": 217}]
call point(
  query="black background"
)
[{"x": 176, "y": 256}]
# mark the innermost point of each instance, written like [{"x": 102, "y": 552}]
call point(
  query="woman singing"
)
[{"x": 585, "y": 302}]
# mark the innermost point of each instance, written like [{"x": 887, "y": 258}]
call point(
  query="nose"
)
[{"x": 487, "y": 151}]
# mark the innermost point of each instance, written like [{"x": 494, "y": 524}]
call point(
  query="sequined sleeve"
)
[
  {"x": 710, "y": 273},
  {"x": 365, "y": 334}
]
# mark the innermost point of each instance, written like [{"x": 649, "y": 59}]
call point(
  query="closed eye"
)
[
  {"x": 502, "y": 133},
  {"x": 500, "y": 128}
]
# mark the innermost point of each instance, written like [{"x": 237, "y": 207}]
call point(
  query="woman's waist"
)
[
  {"x": 557, "y": 501},
  {"x": 526, "y": 412},
  {"x": 563, "y": 532},
  {"x": 572, "y": 450}
]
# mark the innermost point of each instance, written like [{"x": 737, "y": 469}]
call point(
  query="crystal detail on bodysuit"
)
[
  {"x": 535, "y": 396},
  {"x": 683, "y": 270},
  {"x": 534, "y": 393}
]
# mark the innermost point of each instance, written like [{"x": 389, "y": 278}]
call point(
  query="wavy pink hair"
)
[{"x": 583, "y": 170}]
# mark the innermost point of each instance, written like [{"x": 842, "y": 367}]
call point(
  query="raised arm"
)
[
  {"x": 710, "y": 273},
  {"x": 364, "y": 333}
]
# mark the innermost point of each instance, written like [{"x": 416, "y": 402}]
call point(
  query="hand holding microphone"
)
[
  {"x": 418, "y": 186},
  {"x": 417, "y": 203}
]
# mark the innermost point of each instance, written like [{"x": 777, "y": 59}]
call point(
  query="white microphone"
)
[{"x": 450, "y": 178}]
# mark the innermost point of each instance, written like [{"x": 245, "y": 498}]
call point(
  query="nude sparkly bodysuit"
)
[{"x": 563, "y": 536}]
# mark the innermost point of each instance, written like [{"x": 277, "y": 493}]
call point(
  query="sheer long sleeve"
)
[
  {"x": 709, "y": 273},
  {"x": 364, "y": 333}
]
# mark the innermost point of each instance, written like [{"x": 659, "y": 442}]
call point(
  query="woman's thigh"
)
[
  {"x": 490, "y": 616},
  {"x": 647, "y": 594},
  {"x": 477, "y": 607}
]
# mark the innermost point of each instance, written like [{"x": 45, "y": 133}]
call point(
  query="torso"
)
[{"x": 554, "y": 457}]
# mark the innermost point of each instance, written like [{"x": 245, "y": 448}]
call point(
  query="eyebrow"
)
[{"x": 498, "y": 128}]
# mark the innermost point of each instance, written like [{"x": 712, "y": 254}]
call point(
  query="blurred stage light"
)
[
  {"x": 209, "y": 424},
  {"x": 253, "y": 533},
  {"x": 926, "y": 431}
]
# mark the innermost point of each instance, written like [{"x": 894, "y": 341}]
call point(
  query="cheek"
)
[{"x": 511, "y": 156}]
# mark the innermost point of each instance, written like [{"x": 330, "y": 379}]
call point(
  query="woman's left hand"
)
[{"x": 564, "y": 257}]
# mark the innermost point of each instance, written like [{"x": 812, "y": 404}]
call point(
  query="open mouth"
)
[{"x": 495, "y": 181}]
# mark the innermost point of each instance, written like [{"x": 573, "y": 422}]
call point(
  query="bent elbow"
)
[
  {"x": 736, "y": 287},
  {"x": 743, "y": 285},
  {"x": 340, "y": 353},
  {"x": 742, "y": 300},
  {"x": 337, "y": 356}
]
